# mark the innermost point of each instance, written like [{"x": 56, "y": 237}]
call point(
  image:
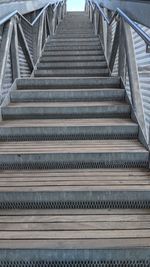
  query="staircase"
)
[{"x": 74, "y": 180}]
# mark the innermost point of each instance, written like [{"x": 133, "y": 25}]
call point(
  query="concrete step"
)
[
  {"x": 68, "y": 83},
  {"x": 73, "y": 154},
  {"x": 74, "y": 72},
  {"x": 80, "y": 129},
  {"x": 67, "y": 95},
  {"x": 72, "y": 47},
  {"x": 48, "y": 110},
  {"x": 74, "y": 53},
  {"x": 66, "y": 58},
  {"x": 72, "y": 65}
]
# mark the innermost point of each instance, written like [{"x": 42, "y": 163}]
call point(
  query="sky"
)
[{"x": 75, "y": 5}]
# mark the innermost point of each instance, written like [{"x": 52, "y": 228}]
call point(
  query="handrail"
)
[
  {"x": 16, "y": 12},
  {"x": 134, "y": 25}
]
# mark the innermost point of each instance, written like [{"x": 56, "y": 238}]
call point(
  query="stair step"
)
[
  {"x": 67, "y": 95},
  {"x": 75, "y": 32},
  {"x": 72, "y": 72},
  {"x": 81, "y": 129},
  {"x": 65, "y": 58},
  {"x": 71, "y": 83},
  {"x": 47, "y": 110},
  {"x": 72, "y": 65},
  {"x": 74, "y": 53},
  {"x": 73, "y": 48},
  {"x": 72, "y": 43},
  {"x": 109, "y": 189},
  {"x": 72, "y": 35},
  {"x": 90, "y": 39},
  {"x": 124, "y": 238},
  {"x": 73, "y": 154}
]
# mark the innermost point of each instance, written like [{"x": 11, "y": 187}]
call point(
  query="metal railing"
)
[
  {"x": 119, "y": 46},
  {"x": 22, "y": 41}
]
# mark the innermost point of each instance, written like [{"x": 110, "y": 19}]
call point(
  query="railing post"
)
[
  {"x": 54, "y": 22},
  {"x": 134, "y": 78},
  {"x": 109, "y": 36},
  {"x": 91, "y": 14},
  {"x": 122, "y": 55},
  {"x": 95, "y": 22}
]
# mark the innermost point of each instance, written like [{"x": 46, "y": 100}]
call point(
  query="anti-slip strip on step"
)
[
  {"x": 73, "y": 165},
  {"x": 67, "y": 137},
  {"x": 102, "y": 263},
  {"x": 140, "y": 204}
]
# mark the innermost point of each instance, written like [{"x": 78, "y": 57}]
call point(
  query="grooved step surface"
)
[
  {"x": 79, "y": 95},
  {"x": 73, "y": 129},
  {"x": 68, "y": 82},
  {"x": 53, "y": 110},
  {"x": 65, "y": 123},
  {"x": 80, "y": 230},
  {"x": 72, "y": 65},
  {"x": 93, "y": 146},
  {"x": 89, "y": 57},
  {"x": 71, "y": 72},
  {"x": 72, "y": 47},
  {"x": 78, "y": 180}
]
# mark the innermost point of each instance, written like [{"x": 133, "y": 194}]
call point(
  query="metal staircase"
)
[{"x": 74, "y": 179}]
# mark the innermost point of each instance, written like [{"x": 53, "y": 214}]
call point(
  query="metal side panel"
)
[
  {"x": 27, "y": 29},
  {"x": 8, "y": 78},
  {"x": 143, "y": 63},
  {"x": 24, "y": 68}
]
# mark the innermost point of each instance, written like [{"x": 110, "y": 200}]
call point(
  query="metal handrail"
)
[
  {"x": 134, "y": 25},
  {"x": 16, "y": 12}
]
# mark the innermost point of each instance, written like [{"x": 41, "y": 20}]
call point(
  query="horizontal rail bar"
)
[
  {"x": 16, "y": 12},
  {"x": 133, "y": 24}
]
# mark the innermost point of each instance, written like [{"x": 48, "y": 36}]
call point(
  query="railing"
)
[
  {"x": 116, "y": 34},
  {"x": 22, "y": 41}
]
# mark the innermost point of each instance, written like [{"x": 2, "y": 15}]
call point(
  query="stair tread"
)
[
  {"x": 67, "y": 122},
  {"x": 68, "y": 90},
  {"x": 107, "y": 229},
  {"x": 90, "y": 180},
  {"x": 66, "y": 104},
  {"x": 69, "y": 146}
]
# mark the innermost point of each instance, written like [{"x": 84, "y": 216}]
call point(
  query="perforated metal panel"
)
[
  {"x": 27, "y": 29},
  {"x": 7, "y": 78},
  {"x": 73, "y": 165},
  {"x": 76, "y": 205},
  {"x": 143, "y": 63},
  {"x": 109, "y": 263},
  {"x": 24, "y": 68}
]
